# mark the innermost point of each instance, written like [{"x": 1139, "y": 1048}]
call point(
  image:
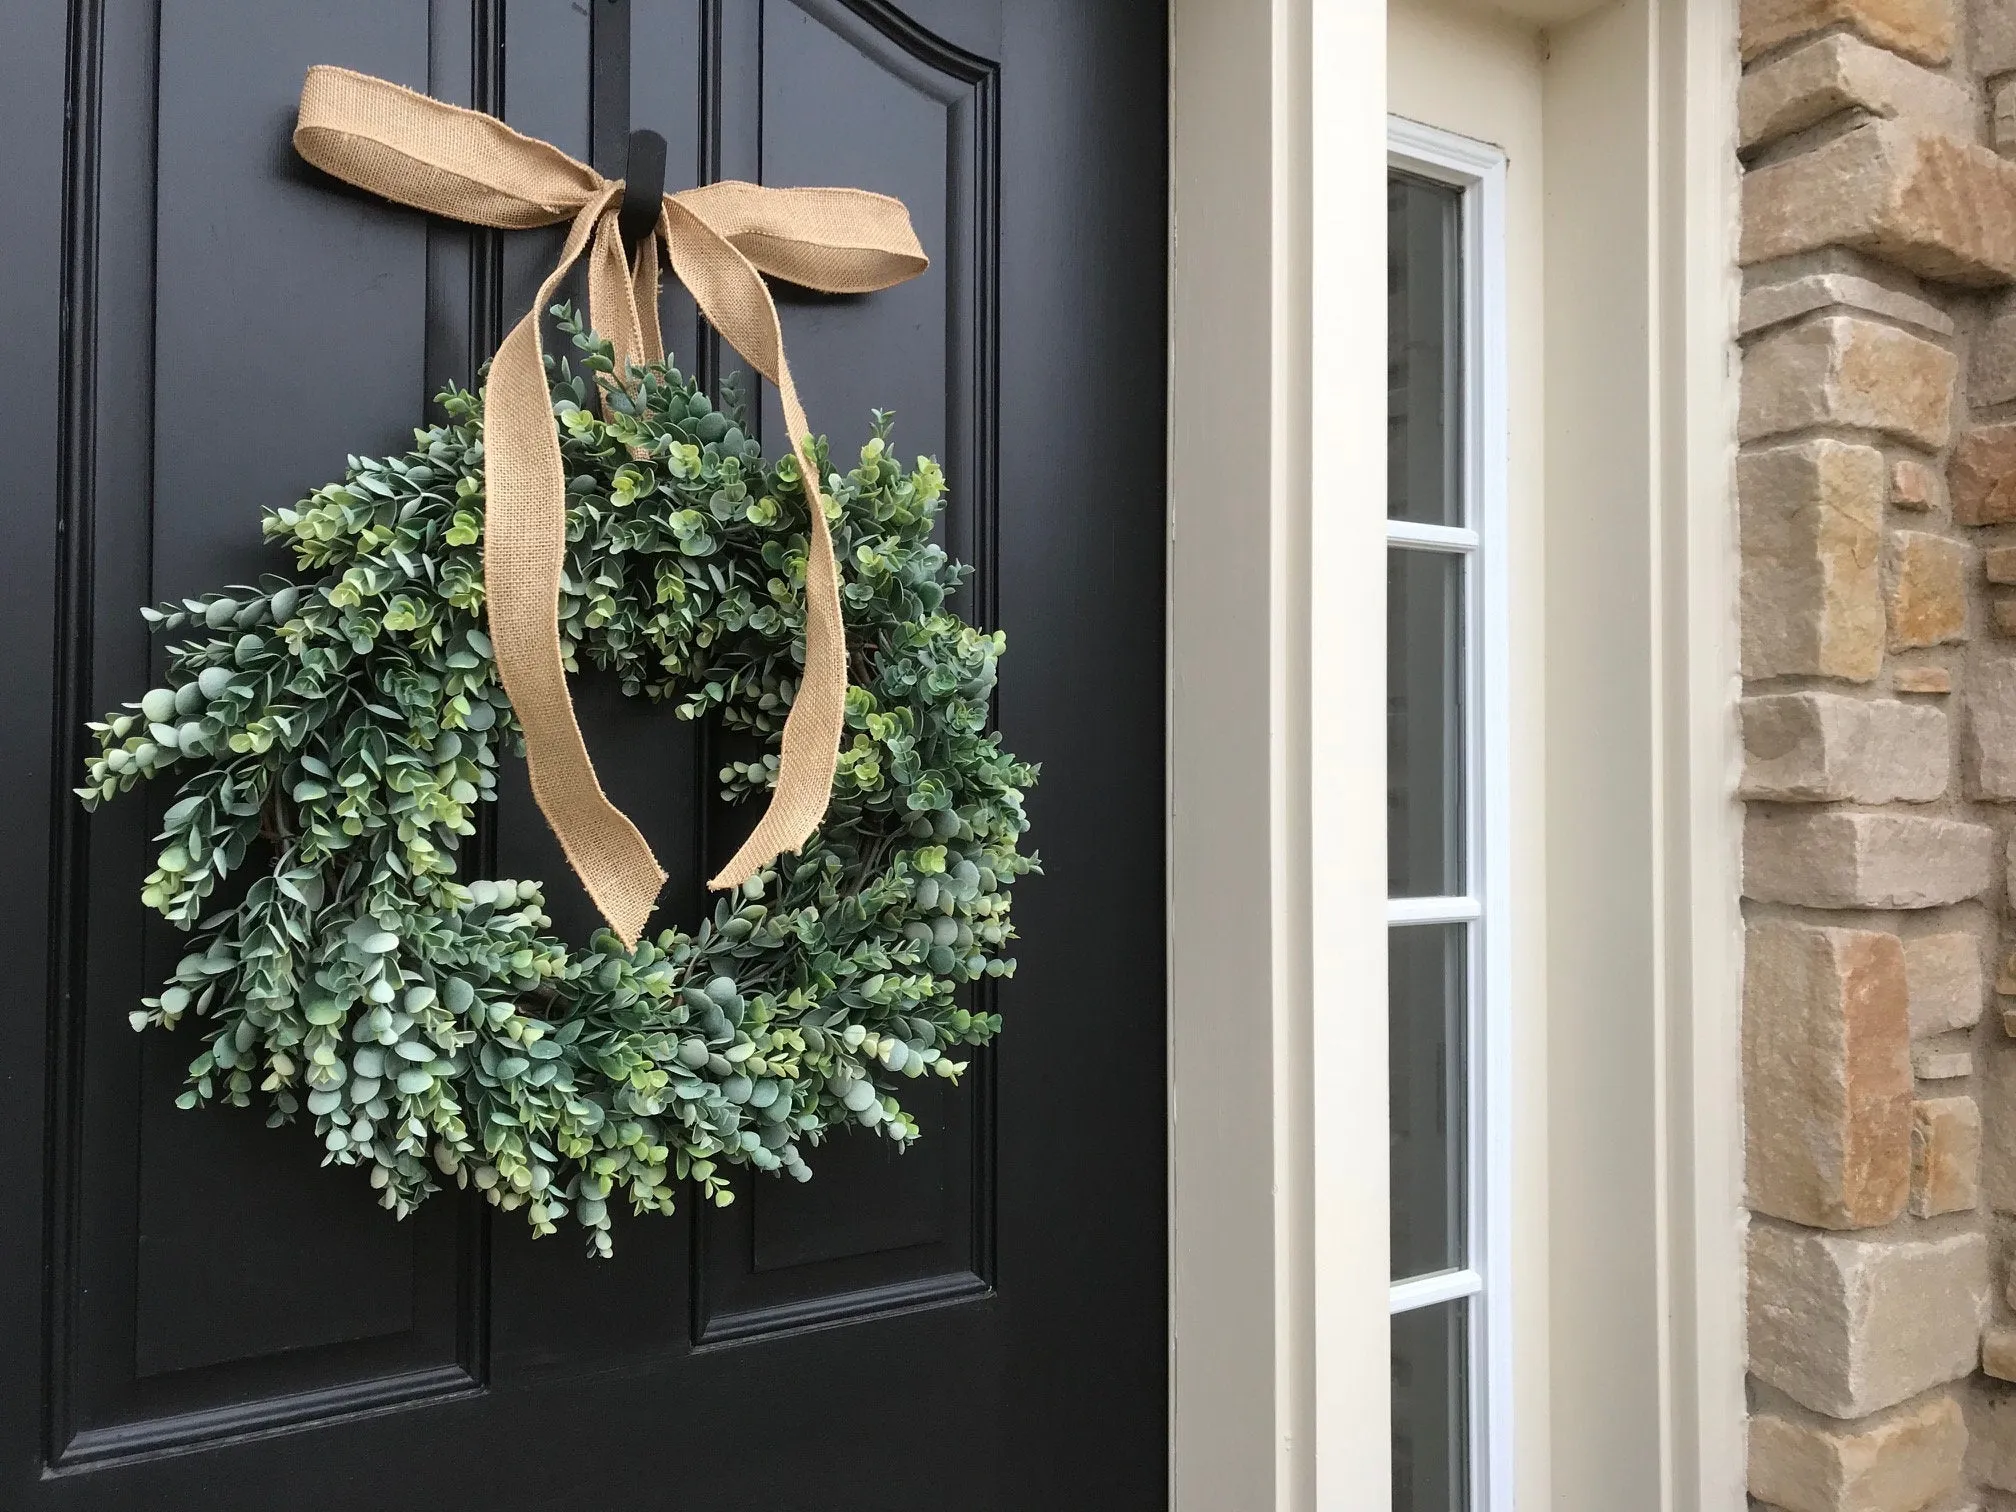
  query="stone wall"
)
[{"x": 1877, "y": 494}]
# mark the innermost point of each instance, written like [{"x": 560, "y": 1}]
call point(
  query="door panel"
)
[
  {"x": 212, "y": 285},
  {"x": 194, "y": 1313},
  {"x": 868, "y": 99}
]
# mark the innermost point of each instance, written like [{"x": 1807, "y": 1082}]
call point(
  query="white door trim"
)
[{"x": 1272, "y": 1405}]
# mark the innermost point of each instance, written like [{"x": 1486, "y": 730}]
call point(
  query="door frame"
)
[{"x": 1630, "y": 1291}]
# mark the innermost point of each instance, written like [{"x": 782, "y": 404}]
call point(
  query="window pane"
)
[
  {"x": 1424, "y": 723},
  {"x": 1426, "y": 1054},
  {"x": 1423, "y": 371},
  {"x": 1430, "y": 1416}
]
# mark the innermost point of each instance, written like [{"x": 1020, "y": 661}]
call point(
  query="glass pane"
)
[
  {"x": 1424, "y": 723},
  {"x": 1423, "y": 350},
  {"x": 1425, "y": 1060},
  {"x": 1430, "y": 1413}
]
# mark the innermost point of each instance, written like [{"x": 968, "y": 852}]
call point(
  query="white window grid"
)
[{"x": 1477, "y": 169}]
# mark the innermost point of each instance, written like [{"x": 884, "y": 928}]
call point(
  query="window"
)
[{"x": 1445, "y": 848}]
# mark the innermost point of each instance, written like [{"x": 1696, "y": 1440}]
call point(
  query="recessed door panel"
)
[
  {"x": 860, "y": 95},
  {"x": 252, "y": 329}
]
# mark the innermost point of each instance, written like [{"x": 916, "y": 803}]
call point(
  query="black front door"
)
[{"x": 197, "y": 324}]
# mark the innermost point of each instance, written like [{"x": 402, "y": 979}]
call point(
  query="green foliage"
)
[{"x": 338, "y": 733}]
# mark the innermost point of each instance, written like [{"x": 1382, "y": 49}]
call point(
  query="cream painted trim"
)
[
  {"x": 1277, "y": 914},
  {"x": 1702, "y": 749},
  {"x": 1278, "y": 1399},
  {"x": 1338, "y": 581},
  {"x": 1645, "y": 1254}
]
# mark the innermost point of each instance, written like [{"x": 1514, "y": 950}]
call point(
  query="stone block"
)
[
  {"x": 1991, "y": 355},
  {"x": 1847, "y": 371},
  {"x": 1812, "y": 602},
  {"x": 1937, "y": 1063},
  {"x": 1781, "y": 303},
  {"x": 2002, "y": 617},
  {"x": 1943, "y": 974},
  {"x": 1994, "y": 49},
  {"x": 1981, "y": 478},
  {"x": 1835, "y": 278},
  {"x": 1989, "y": 746},
  {"x": 1945, "y": 1156},
  {"x": 1998, "y": 1353},
  {"x": 1998, "y": 565},
  {"x": 1826, "y": 1075},
  {"x": 2002, "y": 118},
  {"x": 1842, "y": 72},
  {"x": 1826, "y": 747},
  {"x": 1921, "y": 29},
  {"x": 1901, "y": 1461},
  {"x": 1926, "y": 680},
  {"x": 1848, "y": 1325},
  {"x": 1928, "y": 590},
  {"x": 1916, "y": 487},
  {"x": 1834, "y": 859},
  {"x": 1938, "y": 207},
  {"x": 1991, "y": 1439}
]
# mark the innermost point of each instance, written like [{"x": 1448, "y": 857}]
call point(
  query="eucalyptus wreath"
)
[{"x": 335, "y": 732}]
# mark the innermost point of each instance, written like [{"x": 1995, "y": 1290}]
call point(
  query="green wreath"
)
[{"x": 340, "y": 731}]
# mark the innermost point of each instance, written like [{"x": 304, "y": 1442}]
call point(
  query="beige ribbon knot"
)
[{"x": 720, "y": 240}]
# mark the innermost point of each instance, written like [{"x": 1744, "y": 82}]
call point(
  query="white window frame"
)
[{"x": 1477, "y": 170}]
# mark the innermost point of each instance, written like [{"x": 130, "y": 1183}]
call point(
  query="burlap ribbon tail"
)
[{"x": 720, "y": 240}]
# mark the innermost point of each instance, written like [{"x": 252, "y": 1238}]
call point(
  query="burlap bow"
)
[{"x": 720, "y": 240}]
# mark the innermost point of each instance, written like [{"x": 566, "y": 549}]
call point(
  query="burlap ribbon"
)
[{"x": 720, "y": 240}]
